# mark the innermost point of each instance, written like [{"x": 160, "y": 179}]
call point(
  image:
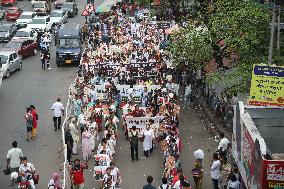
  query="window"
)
[
  {"x": 24, "y": 44},
  {"x": 4, "y": 28},
  {"x": 14, "y": 45},
  {"x": 12, "y": 11},
  {"x": 38, "y": 21},
  {"x": 26, "y": 16},
  {"x": 3, "y": 59},
  {"x": 67, "y": 43},
  {"x": 22, "y": 34}
]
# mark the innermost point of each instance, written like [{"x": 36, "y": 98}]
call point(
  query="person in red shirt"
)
[
  {"x": 35, "y": 118},
  {"x": 77, "y": 174},
  {"x": 137, "y": 113},
  {"x": 176, "y": 177}
]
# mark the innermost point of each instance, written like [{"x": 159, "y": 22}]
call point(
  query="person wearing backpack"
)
[
  {"x": 197, "y": 170},
  {"x": 165, "y": 184}
]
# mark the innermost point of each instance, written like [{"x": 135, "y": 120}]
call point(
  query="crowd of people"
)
[{"x": 122, "y": 51}]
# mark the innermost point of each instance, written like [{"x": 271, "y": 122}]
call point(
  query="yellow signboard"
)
[{"x": 267, "y": 86}]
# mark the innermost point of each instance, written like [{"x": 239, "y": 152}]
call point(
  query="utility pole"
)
[
  {"x": 272, "y": 36},
  {"x": 278, "y": 29}
]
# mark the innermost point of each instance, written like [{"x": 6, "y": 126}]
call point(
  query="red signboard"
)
[
  {"x": 273, "y": 174},
  {"x": 85, "y": 13}
]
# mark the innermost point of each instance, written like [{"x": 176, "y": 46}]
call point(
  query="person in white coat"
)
[
  {"x": 75, "y": 135},
  {"x": 148, "y": 136}
]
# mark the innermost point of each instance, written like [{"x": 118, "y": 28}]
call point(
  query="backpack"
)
[{"x": 36, "y": 116}]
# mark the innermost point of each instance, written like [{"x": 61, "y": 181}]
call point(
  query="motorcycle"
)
[{"x": 24, "y": 183}]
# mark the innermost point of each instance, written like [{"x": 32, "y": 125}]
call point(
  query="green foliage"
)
[
  {"x": 244, "y": 27},
  {"x": 191, "y": 45}
]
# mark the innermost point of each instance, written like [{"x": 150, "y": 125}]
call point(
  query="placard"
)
[
  {"x": 140, "y": 122},
  {"x": 267, "y": 86}
]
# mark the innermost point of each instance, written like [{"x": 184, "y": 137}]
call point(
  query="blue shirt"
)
[{"x": 148, "y": 186}]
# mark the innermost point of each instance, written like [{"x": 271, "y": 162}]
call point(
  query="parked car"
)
[
  {"x": 58, "y": 17},
  {"x": 13, "y": 13},
  {"x": 47, "y": 1},
  {"x": 25, "y": 33},
  {"x": 58, "y": 4},
  {"x": 11, "y": 62},
  {"x": 24, "y": 47},
  {"x": 7, "y": 31},
  {"x": 40, "y": 23},
  {"x": 41, "y": 8},
  {"x": 70, "y": 8},
  {"x": 2, "y": 13},
  {"x": 24, "y": 19},
  {"x": 8, "y": 2}
]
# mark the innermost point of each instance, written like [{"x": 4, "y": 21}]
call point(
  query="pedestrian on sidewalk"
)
[
  {"x": 86, "y": 144},
  {"x": 215, "y": 170},
  {"x": 149, "y": 185},
  {"x": 197, "y": 170},
  {"x": 223, "y": 144},
  {"x": 69, "y": 143},
  {"x": 29, "y": 123},
  {"x": 14, "y": 157},
  {"x": 133, "y": 138},
  {"x": 187, "y": 95},
  {"x": 77, "y": 174},
  {"x": 42, "y": 59},
  {"x": 58, "y": 112},
  {"x": 35, "y": 119},
  {"x": 75, "y": 135},
  {"x": 225, "y": 173}
]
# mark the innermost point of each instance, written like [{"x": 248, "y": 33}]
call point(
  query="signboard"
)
[
  {"x": 267, "y": 86},
  {"x": 89, "y": 8},
  {"x": 273, "y": 174},
  {"x": 85, "y": 13},
  {"x": 140, "y": 122}
]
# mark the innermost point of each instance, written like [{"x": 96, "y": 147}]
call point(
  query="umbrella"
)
[{"x": 103, "y": 8}]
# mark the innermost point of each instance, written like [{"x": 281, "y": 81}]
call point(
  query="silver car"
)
[{"x": 11, "y": 62}]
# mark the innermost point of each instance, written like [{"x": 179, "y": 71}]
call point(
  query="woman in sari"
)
[{"x": 86, "y": 144}]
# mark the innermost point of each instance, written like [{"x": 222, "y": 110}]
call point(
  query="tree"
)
[
  {"x": 190, "y": 44},
  {"x": 243, "y": 27}
]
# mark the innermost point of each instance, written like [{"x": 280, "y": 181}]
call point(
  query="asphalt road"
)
[{"x": 41, "y": 88}]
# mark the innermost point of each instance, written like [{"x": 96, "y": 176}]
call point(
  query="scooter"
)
[{"x": 24, "y": 183}]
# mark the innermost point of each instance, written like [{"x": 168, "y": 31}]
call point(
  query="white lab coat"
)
[{"x": 148, "y": 139}]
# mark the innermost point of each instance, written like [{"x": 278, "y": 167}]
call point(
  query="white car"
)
[
  {"x": 58, "y": 17},
  {"x": 25, "y": 18},
  {"x": 11, "y": 62},
  {"x": 25, "y": 33},
  {"x": 40, "y": 23}
]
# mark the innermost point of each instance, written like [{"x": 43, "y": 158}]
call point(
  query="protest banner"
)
[
  {"x": 267, "y": 86},
  {"x": 140, "y": 122}
]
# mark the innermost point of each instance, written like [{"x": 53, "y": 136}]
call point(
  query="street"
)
[{"x": 41, "y": 88}]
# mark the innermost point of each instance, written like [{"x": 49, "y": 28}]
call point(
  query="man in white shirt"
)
[
  {"x": 215, "y": 170},
  {"x": 14, "y": 157},
  {"x": 223, "y": 144},
  {"x": 26, "y": 170},
  {"x": 58, "y": 112}
]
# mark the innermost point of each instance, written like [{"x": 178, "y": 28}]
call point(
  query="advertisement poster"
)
[
  {"x": 267, "y": 86},
  {"x": 273, "y": 174}
]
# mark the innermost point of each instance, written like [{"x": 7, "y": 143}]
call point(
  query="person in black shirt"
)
[{"x": 133, "y": 137}]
